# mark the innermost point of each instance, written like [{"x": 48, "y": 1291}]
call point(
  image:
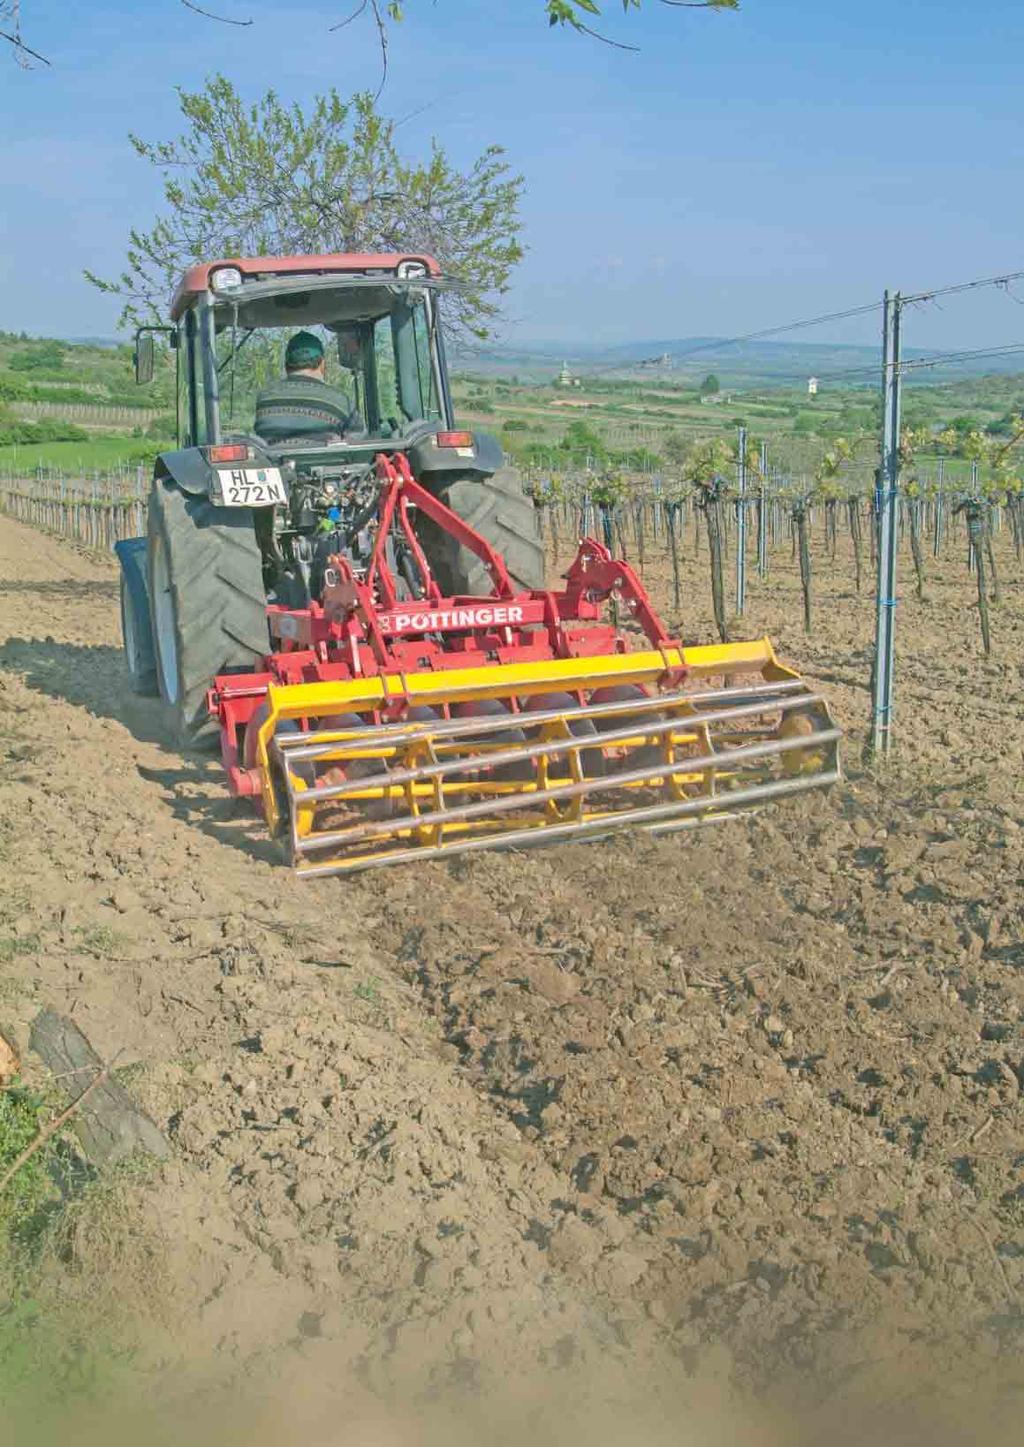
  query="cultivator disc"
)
[{"x": 398, "y": 767}]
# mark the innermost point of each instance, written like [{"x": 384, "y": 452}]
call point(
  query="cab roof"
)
[{"x": 197, "y": 278}]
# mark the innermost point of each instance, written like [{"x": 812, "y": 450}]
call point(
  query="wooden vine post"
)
[
  {"x": 798, "y": 511},
  {"x": 707, "y": 465},
  {"x": 856, "y": 536},
  {"x": 975, "y": 510}
]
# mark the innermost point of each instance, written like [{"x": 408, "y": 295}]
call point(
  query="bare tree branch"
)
[
  {"x": 383, "y": 35},
  {"x": 604, "y": 39},
  {"x": 209, "y": 15},
  {"x": 349, "y": 19},
  {"x": 10, "y": 12},
  {"x": 22, "y": 48}
]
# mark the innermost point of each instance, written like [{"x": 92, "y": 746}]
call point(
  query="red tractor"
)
[{"x": 359, "y": 610}]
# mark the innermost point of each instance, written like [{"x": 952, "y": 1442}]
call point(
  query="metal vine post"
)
[{"x": 886, "y": 507}]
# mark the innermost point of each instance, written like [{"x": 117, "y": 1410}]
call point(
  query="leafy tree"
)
[
  {"x": 582, "y": 441},
  {"x": 676, "y": 448},
  {"x": 270, "y": 178},
  {"x": 710, "y": 385}
]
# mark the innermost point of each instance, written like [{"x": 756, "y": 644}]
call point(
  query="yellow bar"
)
[
  {"x": 460, "y": 685},
  {"x": 707, "y": 659}
]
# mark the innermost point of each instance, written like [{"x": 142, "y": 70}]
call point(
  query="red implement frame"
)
[{"x": 361, "y": 628}]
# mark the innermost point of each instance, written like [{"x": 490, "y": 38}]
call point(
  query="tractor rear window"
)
[{"x": 383, "y": 367}]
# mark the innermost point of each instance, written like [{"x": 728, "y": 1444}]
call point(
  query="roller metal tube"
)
[
  {"x": 683, "y": 811},
  {"x": 561, "y": 792},
  {"x": 305, "y": 747},
  {"x": 524, "y": 753}
]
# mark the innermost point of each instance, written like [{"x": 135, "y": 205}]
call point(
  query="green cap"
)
[{"x": 303, "y": 350}]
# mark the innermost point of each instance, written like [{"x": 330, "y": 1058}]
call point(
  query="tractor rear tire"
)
[
  {"x": 497, "y": 508},
  {"x": 207, "y": 601}
]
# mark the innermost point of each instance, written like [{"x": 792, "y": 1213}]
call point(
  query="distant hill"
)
[
  {"x": 107, "y": 343},
  {"x": 737, "y": 365}
]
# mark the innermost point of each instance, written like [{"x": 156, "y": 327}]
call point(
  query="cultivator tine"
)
[{"x": 353, "y": 797}]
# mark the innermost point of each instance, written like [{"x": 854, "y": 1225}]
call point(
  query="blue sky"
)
[{"x": 741, "y": 170}]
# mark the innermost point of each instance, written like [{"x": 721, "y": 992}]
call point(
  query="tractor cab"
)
[
  {"x": 375, "y": 320},
  {"x": 379, "y": 320}
]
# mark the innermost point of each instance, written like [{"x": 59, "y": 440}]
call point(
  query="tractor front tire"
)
[
  {"x": 207, "y": 601},
  {"x": 498, "y": 509}
]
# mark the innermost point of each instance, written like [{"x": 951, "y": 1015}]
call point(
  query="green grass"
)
[
  {"x": 100, "y": 939},
  {"x": 100, "y": 453},
  {"x": 71, "y": 1251},
  {"x": 13, "y": 945},
  {"x": 31, "y": 1189}
]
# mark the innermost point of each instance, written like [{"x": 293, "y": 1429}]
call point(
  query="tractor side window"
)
[
  {"x": 426, "y": 378},
  {"x": 181, "y": 390},
  {"x": 188, "y": 381},
  {"x": 416, "y": 384},
  {"x": 387, "y": 375}
]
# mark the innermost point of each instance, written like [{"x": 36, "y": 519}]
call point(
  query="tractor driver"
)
[{"x": 300, "y": 407}]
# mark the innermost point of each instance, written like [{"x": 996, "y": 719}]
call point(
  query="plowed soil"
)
[{"x": 740, "y": 1105}]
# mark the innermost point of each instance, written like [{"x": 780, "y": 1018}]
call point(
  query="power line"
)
[
  {"x": 777, "y": 331},
  {"x": 871, "y": 369},
  {"x": 1000, "y": 281},
  {"x": 764, "y": 333},
  {"x": 721, "y": 342},
  {"x": 938, "y": 361}
]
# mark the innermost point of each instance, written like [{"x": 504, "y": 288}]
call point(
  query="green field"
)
[{"x": 103, "y": 452}]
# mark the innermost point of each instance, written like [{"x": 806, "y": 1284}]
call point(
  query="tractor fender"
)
[
  {"x": 131, "y": 554},
  {"x": 188, "y": 469},
  {"x": 432, "y": 464},
  {"x": 136, "y": 619}
]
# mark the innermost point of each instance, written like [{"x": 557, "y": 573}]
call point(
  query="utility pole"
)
[
  {"x": 741, "y": 527},
  {"x": 762, "y": 515},
  {"x": 886, "y": 508}
]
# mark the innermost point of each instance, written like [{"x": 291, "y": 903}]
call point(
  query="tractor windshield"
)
[{"x": 379, "y": 362}]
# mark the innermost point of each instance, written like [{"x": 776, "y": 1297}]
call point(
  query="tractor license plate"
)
[{"x": 251, "y": 486}]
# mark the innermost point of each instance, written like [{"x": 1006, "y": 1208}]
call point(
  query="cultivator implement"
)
[{"x": 385, "y": 730}]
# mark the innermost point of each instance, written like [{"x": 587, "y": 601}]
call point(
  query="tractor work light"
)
[
  {"x": 228, "y": 452},
  {"x": 226, "y": 278},
  {"x": 454, "y": 439}
]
